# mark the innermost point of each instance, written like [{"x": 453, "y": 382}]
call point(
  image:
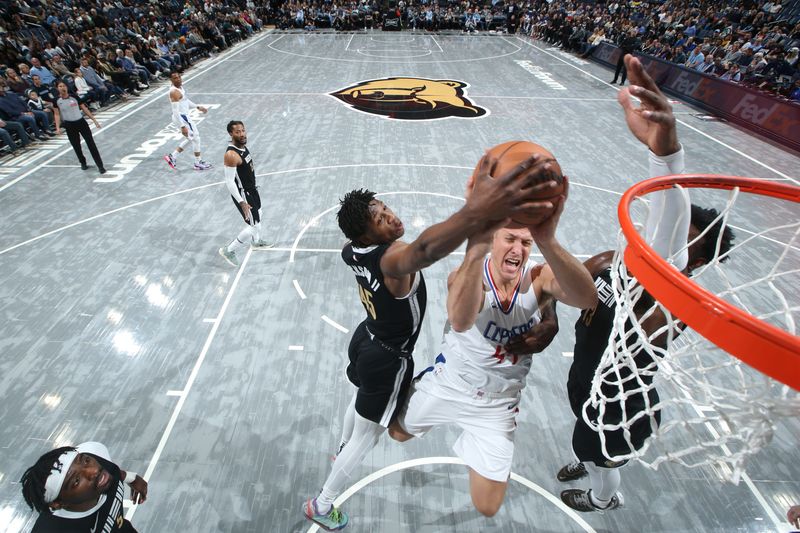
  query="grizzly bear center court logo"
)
[{"x": 411, "y": 99}]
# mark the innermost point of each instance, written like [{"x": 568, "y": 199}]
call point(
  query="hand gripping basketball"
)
[{"x": 513, "y": 194}]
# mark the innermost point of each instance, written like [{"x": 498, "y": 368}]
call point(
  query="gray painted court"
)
[{"x": 120, "y": 323}]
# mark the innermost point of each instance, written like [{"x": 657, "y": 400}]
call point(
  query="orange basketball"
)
[{"x": 511, "y": 154}]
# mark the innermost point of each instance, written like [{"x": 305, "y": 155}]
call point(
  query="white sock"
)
[
  {"x": 175, "y": 154},
  {"x": 365, "y": 437},
  {"x": 604, "y": 481},
  {"x": 196, "y": 158},
  {"x": 257, "y": 231},
  {"x": 349, "y": 422},
  {"x": 242, "y": 241}
]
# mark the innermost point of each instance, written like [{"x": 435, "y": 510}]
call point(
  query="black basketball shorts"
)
[
  {"x": 383, "y": 377},
  {"x": 251, "y": 197}
]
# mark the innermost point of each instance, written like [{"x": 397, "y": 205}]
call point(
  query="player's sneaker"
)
[
  {"x": 230, "y": 257},
  {"x": 202, "y": 165},
  {"x": 170, "y": 161},
  {"x": 261, "y": 244},
  {"x": 572, "y": 471},
  {"x": 581, "y": 500},
  {"x": 333, "y": 521}
]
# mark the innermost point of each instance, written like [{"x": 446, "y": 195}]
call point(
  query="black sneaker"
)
[
  {"x": 84, "y": 166},
  {"x": 581, "y": 500},
  {"x": 102, "y": 171},
  {"x": 571, "y": 472}
]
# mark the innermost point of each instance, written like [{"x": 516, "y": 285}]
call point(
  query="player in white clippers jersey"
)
[
  {"x": 180, "y": 117},
  {"x": 479, "y": 375}
]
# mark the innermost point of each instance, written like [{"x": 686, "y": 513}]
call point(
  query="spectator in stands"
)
[
  {"x": 58, "y": 67},
  {"x": 732, "y": 73},
  {"x": 86, "y": 95},
  {"x": 15, "y": 83},
  {"x": 41, "y": 71},
  {"x": 35, "y": 103},
  {"x": 696, "y": 57},
  {"x": 9, "y": 127},
  {"x": 795, "y": 94},
  {"x": 44, "y": 91},
  {"x": 12, "y": 106},
  {"x": 128, "y": 65},
  {"x": 25, "y": 72},
  {"x": 122, "y": 78}
]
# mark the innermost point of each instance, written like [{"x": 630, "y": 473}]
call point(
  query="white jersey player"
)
[
  {"x": 478, "y": 378},
  {"x": 181, "y": 105}
]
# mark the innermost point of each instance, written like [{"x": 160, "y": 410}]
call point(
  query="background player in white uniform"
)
[
  {"x": 180, "y": 117},
  {"x": 476, "y": 383}
]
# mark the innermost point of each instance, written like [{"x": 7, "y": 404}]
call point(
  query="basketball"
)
[{"x": 511, "y": 154}]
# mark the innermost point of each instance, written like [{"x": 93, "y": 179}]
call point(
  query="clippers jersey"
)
[
  {"x": 477, "y": 355},
  {"x": 182, "y": 116},
  {"x": 245, "y": 172},
  {"x": 391, "y": 320}
]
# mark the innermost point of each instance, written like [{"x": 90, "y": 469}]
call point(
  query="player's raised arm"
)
[
  {"x": 493, "y": 201},
  {"x": 465, "y": 285}
]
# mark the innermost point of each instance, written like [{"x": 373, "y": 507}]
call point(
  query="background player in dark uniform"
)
[
  {"x": 240, "y": 178},
  {"x": 392, "y": 290},
  {"x": 654, "y": 125},
  {"x": 80, "y": 490}
]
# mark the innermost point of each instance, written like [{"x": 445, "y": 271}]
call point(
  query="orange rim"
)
[{"x": 765, "y": 347}]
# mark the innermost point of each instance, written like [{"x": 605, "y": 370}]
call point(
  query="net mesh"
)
[{"x": 715, "y": 410}]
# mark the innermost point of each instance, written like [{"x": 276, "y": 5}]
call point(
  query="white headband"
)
[{"x": 52, "y": 487}]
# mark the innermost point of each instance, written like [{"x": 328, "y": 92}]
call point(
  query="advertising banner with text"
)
[{"x": 769, "y": 116}]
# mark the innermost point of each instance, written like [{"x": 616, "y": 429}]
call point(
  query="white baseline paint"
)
[
  {"x": 195, "y": 371},
  {"x": 150, "y": 100},
  {"x": 721, "y": 143},
  {"x": 298, "y": 289},
  {"x": 308, "y": 56},
  {"x": 383, "y": 472},
  {"x": 174, "y": 393},
  {"x": 335, "y": 324},
  {"x": 437, "y": 43},
  {"x": 295, "y": 348},
  {"x": 209, "y": 320}
]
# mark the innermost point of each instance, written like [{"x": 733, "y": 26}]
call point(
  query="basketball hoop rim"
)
[{"x": 765, "y": 347}]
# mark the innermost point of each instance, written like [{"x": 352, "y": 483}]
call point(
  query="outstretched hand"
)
[
  {"x": 652, "y": 122},
  {"x": 498, "y": 198}
]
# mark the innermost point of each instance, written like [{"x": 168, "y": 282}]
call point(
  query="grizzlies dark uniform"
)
[
  {"x": 591, "y": 338},
  {"x": 380, "y": 352},
  {"x": 246, "y": 183}
]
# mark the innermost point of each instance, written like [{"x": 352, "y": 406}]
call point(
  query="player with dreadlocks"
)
[
  {"x": 79, "y": 489},
  {"x": 392, "y": 289}
]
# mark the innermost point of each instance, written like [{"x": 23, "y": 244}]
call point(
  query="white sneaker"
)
[
  {"x": 230, "y": 257},
  {"x": 261, "y": 244},
  {"x": 202, "y": 165}
]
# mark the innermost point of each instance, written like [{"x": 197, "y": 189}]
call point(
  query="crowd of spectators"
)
[
  {"x": 106, "y": 51},
  {"x": 742, "y": 41}
]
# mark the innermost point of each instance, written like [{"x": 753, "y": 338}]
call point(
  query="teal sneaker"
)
[
  {"x": 333, "y": 521},
  {"x": 230, "y": 257},
  {"x": 261, "y": 244}
]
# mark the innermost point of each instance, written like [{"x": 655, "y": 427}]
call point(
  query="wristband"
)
[{"x": 130, "y": 477}]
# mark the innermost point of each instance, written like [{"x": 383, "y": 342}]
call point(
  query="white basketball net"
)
[{"x": 715, "y": 409}]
